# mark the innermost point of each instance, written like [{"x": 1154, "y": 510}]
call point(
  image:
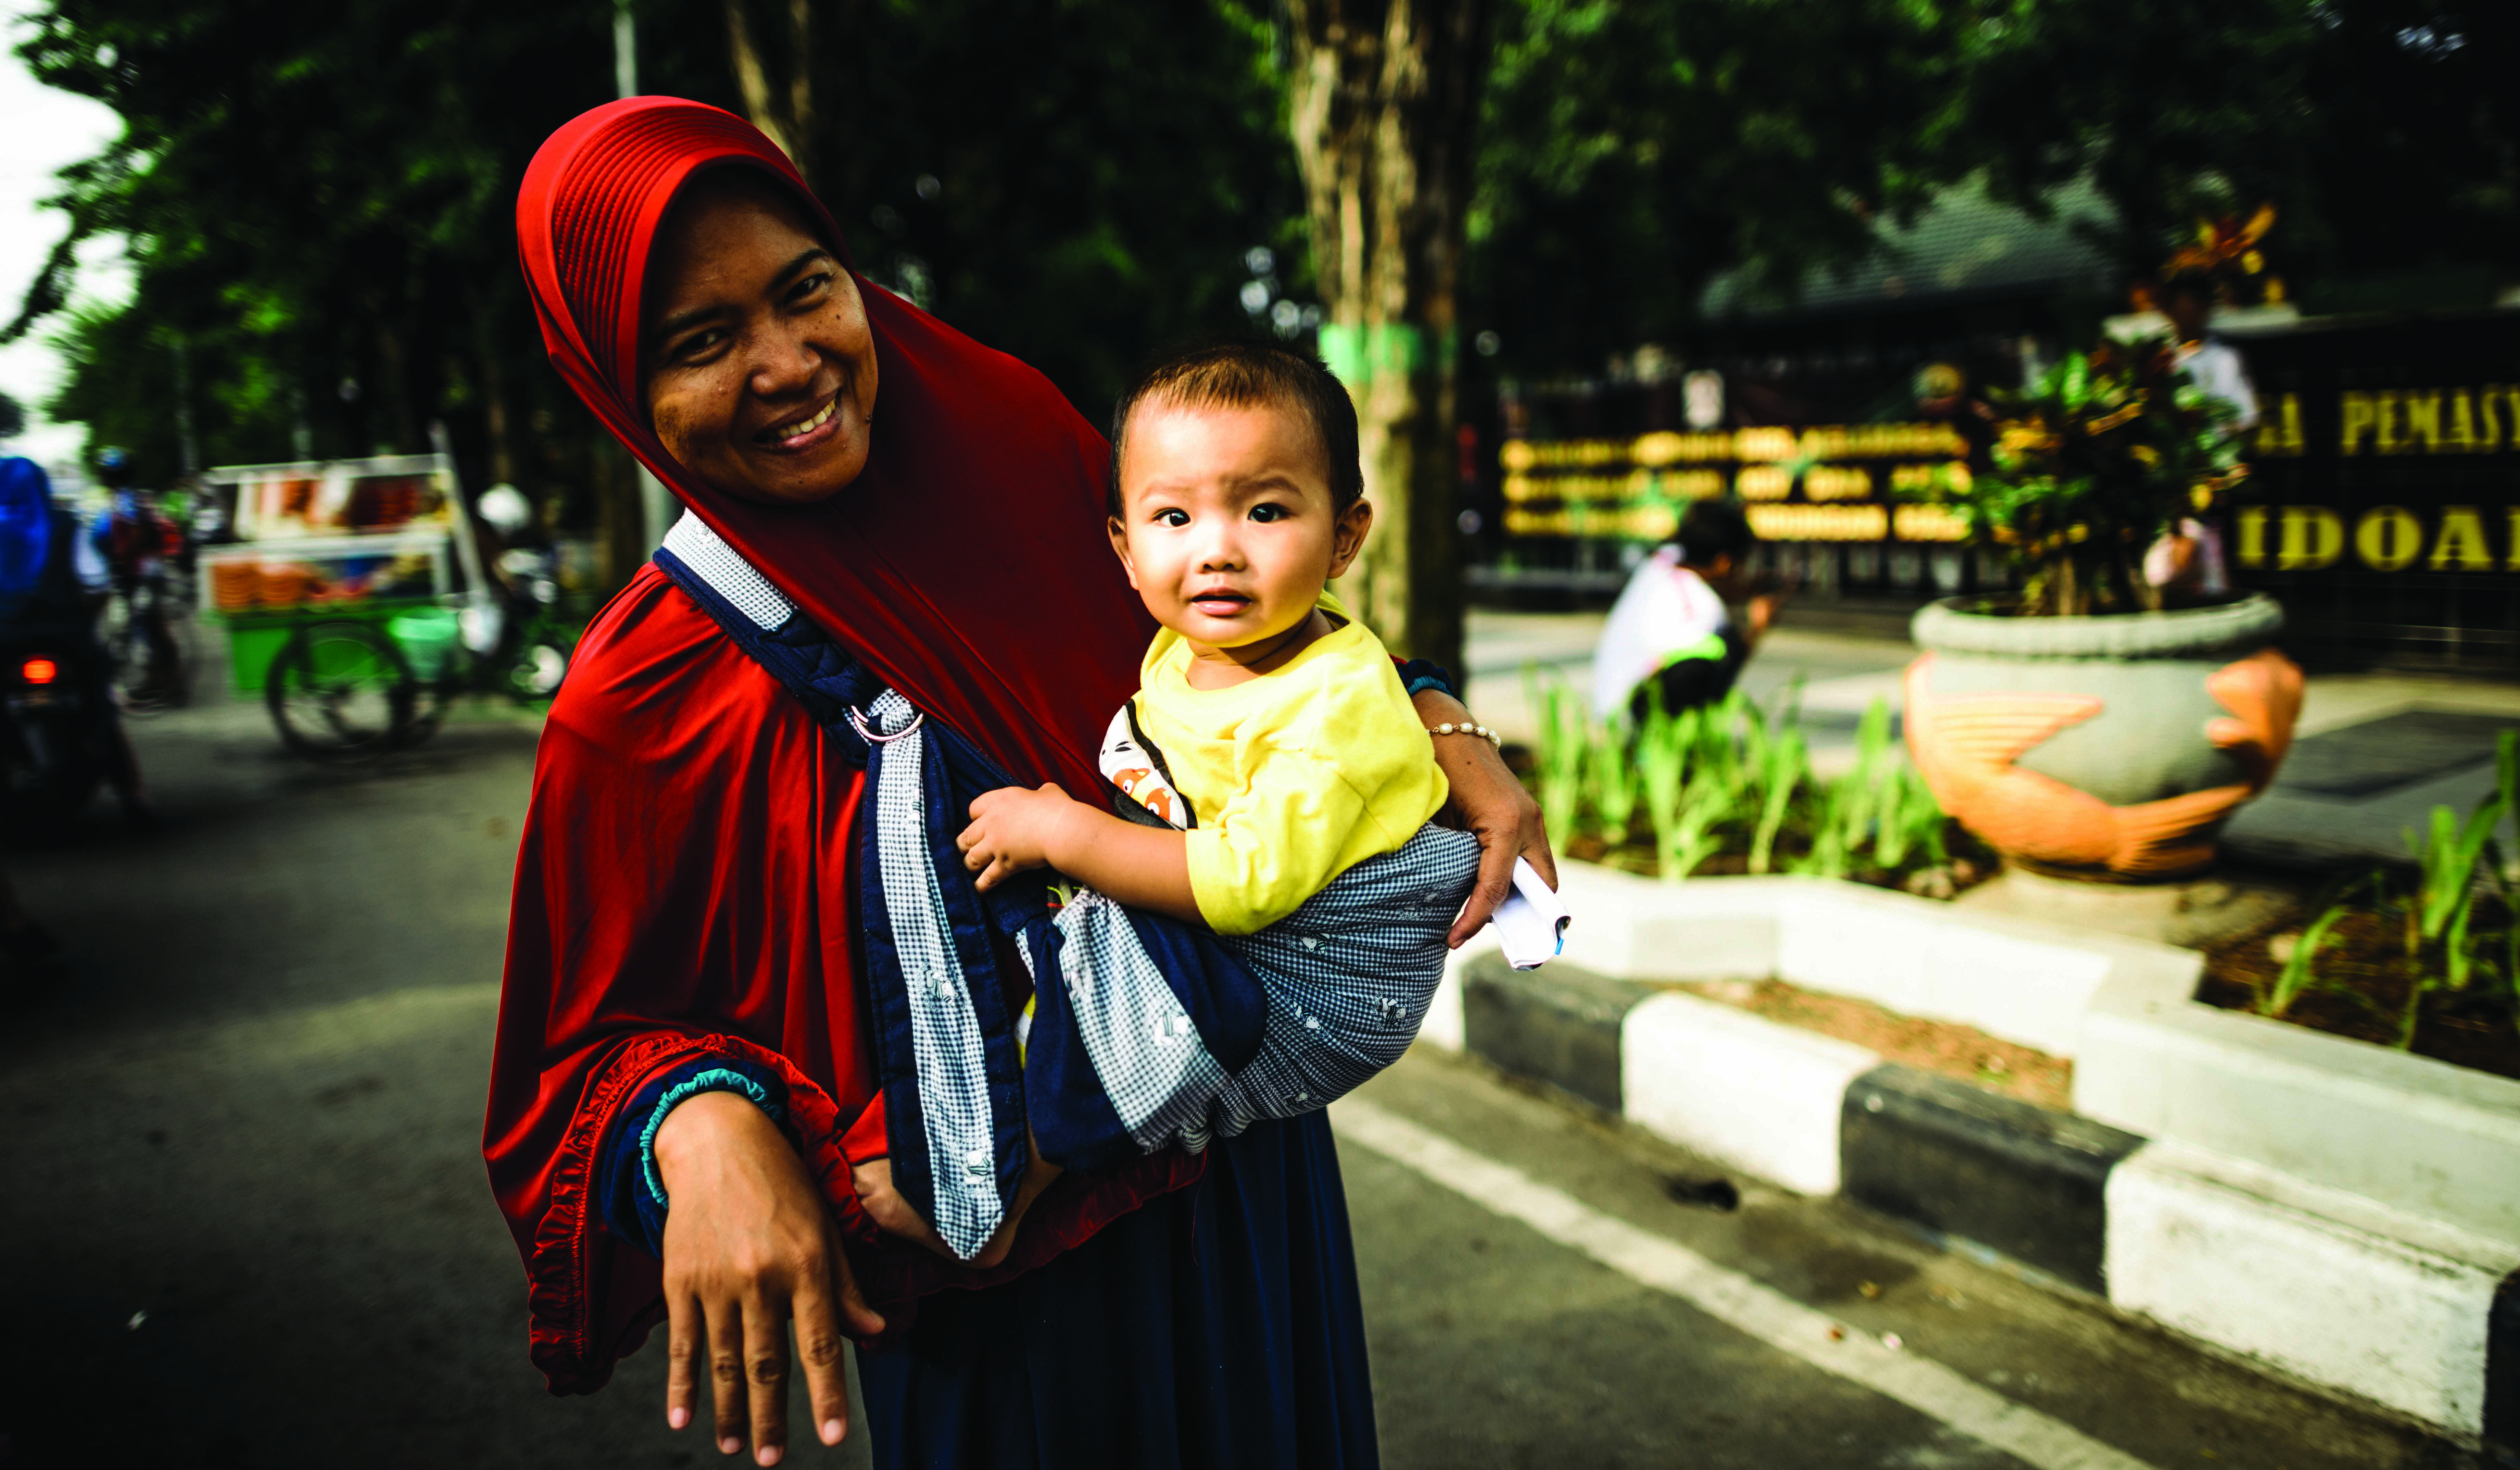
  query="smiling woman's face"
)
[{"x": 754, "y": 354}]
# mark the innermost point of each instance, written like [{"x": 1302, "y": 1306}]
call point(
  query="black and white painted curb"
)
[{"x": 2324, "y": 1287}]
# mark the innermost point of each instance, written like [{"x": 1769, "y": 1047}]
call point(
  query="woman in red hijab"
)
[{"x": 686, "y": 1014}]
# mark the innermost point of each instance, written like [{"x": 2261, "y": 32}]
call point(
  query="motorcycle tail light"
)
[{"x": 39, "y": 671}]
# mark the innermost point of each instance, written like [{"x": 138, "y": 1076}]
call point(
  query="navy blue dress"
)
[{"x": 1215, "y": 1328}]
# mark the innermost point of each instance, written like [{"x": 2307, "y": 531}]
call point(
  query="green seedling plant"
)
[
  {"x": 1733, "y": 776},
  {"x": 1662, "y": 769},
  {"x": 2506, "y": 765},
  {"x": 1910, "y": 820},
  {"x": 1565, "y": 740},
  {"x": 1782, "y": 764},
  {"x": 1614, "y": 783},
  {"x": 1707, "y": 800},
  {"x": 1867, "y": 782},
  {"x": 2300, "y": 972},
  {"x": 2442, "y": 910},
  {"x": 1855, "y": 803}
]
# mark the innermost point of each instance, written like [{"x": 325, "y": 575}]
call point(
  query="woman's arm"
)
[
  {"x": 749, "y": 1249},
  {"x": 1489, "y": 804}
]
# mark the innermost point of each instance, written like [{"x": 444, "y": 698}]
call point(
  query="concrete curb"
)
[{"x": 2415, "y": 1316}]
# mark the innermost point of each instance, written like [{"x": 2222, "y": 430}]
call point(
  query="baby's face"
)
[{"x": 1226, "y": 525}]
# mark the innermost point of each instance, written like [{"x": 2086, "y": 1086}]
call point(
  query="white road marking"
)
[{"x": 1760, "y": 1310}]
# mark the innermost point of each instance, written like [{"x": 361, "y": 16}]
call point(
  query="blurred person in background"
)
[
  {"x": 1673, "y": 638},
  {"x": 143, "y": 544},
  {"x": 2188, "y": 564},
  {"x": 743, "y": 1044},
  {"x": 54, "y": 580}
]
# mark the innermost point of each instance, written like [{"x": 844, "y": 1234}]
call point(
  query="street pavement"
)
[{"x": 245, "y": 1222}]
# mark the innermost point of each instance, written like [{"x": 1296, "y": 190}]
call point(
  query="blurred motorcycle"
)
[{"x": 57, "y": 740}]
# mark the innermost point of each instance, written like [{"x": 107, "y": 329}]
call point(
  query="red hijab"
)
[{"x": 968, "y": 564}]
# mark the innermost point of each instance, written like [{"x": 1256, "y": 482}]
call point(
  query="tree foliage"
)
[
  {"x": 1635, "y": 148},
  {"x": 316, "y": 195},
  {"x": 317, "y": 199}
]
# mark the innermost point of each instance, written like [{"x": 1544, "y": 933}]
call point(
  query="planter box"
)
[
  {"x": 2348, "y": 1214},
  {"x": 2023, "y": 981},
  {"x": 2435, "y": 1140}
]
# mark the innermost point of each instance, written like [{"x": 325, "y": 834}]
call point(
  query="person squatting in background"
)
[{"x": 1672, "y": 636}]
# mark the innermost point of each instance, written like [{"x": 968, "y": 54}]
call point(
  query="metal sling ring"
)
[{"x": 918, "y": 717}]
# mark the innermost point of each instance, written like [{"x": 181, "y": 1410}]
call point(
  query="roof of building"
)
[{"x": 1961, "y": 243}]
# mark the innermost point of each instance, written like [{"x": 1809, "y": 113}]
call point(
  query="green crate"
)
[{"x": 256, "y": 638}]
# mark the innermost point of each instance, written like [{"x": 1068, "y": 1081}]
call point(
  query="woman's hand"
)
[
  {"x": 894, "y": 1215},
  {"x": 1013, "y": 829},
  {"x": 749, "y": 1247},
  {"x": 1489, "y": 804}
]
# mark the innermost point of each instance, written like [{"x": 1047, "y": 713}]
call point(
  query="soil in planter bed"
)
[
  {"x": 1964, "y": 873},
  {"x": 1944, "y": 1047},
  {"x": 2362, "y": 993}
]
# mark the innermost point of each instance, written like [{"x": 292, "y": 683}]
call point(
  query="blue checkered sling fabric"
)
[{"x": 1156, "y": 1033}]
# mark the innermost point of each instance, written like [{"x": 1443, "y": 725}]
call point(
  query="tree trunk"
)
[
  {"x": 1382, "y": 102},
  {"x": 620, "y": 513},
  {"x": 495, "y": 420},
  {"x": 787, "y": 115}
]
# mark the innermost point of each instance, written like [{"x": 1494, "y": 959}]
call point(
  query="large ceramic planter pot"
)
[{"x": 2112, "y": 748}]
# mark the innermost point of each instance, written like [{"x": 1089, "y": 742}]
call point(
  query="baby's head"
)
[{"x": 1236, "y": 490}]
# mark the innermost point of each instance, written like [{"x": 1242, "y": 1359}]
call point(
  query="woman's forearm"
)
[{"x": 1136, "y": 866}]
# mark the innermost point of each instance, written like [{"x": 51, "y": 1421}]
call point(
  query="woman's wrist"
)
[{"x": 702, "y": 1125}]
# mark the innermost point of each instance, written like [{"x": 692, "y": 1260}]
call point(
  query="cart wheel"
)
[
  {"x": 341, "y": 691},
  {"x": 536, "y": 673}
]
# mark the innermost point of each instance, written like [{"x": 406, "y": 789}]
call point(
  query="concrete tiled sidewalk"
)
[{"x": 2292, "y": 825}]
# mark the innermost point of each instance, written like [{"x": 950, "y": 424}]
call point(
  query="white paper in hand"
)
[{"x": 1531, "y": 922}]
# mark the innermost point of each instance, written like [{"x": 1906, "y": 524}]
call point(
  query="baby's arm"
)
[{"x": 1134, "y": 865}]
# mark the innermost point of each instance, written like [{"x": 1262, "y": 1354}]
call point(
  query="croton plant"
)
[{"x": 2093, "y": 460}]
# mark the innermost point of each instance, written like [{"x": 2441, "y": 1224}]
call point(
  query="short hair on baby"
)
[{"x": 1240, "y": 374}]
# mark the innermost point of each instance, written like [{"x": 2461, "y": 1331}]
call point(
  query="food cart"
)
[{"x": 345, "y": 589}]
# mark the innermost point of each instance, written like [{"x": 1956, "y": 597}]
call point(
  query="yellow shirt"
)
[{"x": 1294, "y": 777}]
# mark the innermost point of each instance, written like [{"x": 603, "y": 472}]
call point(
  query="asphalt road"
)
[{"x": 242, "y": 1220}]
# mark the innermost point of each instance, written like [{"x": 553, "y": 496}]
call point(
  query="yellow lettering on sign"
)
[
  {"x": 2313, "y": 537},
  {"x": 2462, "y": 425},
  {"x": 2507, "y": 399},
  {"x": 2280, "y": 433},
  {"x": 2514, "y": 523},
  {"x": 2384, "y": 423},
  {"x": 2388, "y": 538},
  {"x": 1931, "y": 523},
  {"x": 1831, "y": 482},
  {"x": 1764, "y": 443},
  {"x": 2460, "y": 546},
  {"x": 1763, "y": 482},
  {"x": 2423, "y": 418},
  {"x": 2253, "y": 536},
  {"x": 2354, "y": 412},
  {"x": 1820, "y": 522}
]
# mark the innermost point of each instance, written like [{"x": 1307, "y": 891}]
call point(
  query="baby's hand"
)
[
  {"x": 1013, "y": 829},
  {"x": 895, "y": 1216}
]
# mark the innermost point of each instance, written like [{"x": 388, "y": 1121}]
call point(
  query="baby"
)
[{"x": 1270, "y": 751}]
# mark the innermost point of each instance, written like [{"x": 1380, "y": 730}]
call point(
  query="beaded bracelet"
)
[{"x": 1468, "y": 729}]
